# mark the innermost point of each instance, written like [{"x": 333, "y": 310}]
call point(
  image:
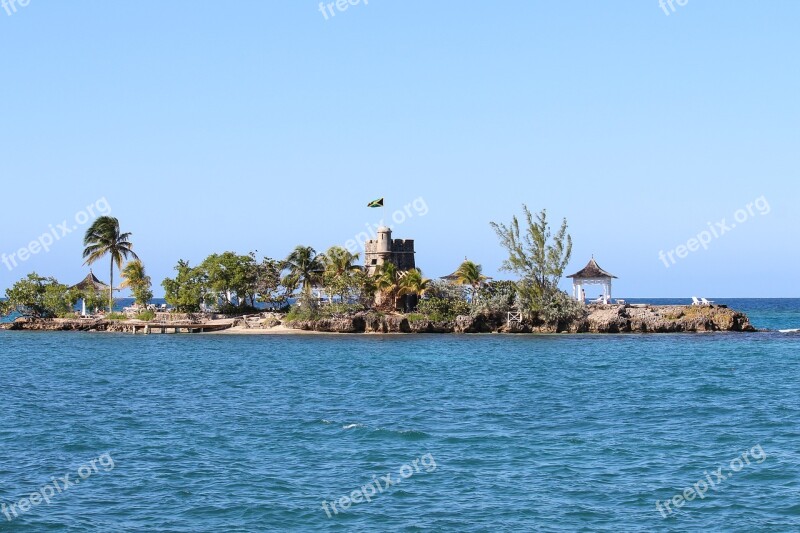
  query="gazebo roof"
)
[
  {"x": 592, "y": 270},
  {"x": 454, "y": 277},
  {"x": 450, "y": 277},
  {"x": 90, "y": 282}
]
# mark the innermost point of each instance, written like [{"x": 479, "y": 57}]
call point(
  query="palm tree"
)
[
  {"x": 103, "y": 237},
  {"x": 339, "y": 267},
  {"x": 305, "y": 269},
  {"x": 338, "y": 261},
  {"x": 469, "y": 273},
  {"x": 413, "y": 283},
  {"x": 386, "y": 281},
  {"x": 135, "y": 278}
]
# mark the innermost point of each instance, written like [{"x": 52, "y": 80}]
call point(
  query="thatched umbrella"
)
[{"x": 89, "y": 283}]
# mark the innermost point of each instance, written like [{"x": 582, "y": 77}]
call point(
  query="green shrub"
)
[
  {"x": 496, "y": 297},
  {"x": 146, "y": 316},
  {"x": 116, "y": 316},
  {"x": 559, "y": 307},
  {"x": 446, "y": 290},
  {"x": 230, "y": 309},
  {"x": 442, "y": 309},
  {"x": 316, "y": 311},
  {"x": 38, "y": 297},
  {"x": 302, "y": 312},
  {"x": 339, "y": 310}
]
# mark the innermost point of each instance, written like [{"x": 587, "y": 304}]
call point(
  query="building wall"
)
[{"x": 401, "y": 255}]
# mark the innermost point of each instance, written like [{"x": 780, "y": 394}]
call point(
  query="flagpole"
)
[{"x": 380, "y": 203}]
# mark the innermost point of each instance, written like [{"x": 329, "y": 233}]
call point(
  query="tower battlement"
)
[{"x": 384, "y": 249}]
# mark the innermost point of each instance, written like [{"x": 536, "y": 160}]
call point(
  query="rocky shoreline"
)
[
  {"x": 65, "y": 324},
  {"x": 598, "y": 319}
]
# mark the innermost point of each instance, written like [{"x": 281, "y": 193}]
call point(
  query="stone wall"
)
[{"x": 403, "y": 254}]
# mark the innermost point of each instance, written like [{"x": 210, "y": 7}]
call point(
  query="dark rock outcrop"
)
[
  {"x": 665, "y": 319},
  {"x": 63, "y": 324},
  {"x": 330, "y": 325}
]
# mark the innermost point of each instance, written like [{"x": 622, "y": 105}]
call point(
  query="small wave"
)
[
  {"x": 406, "y": 434},
  {"x": 789, "y": 330}
]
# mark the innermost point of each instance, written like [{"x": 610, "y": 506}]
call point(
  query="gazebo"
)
[
  {"x": 89, "y": 283},
  {"x": 591, "y": 274}
]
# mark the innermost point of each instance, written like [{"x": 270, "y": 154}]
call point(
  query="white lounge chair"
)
[
  {"x": 696, "y": 301},
  {"x": 706, "y": 302}
]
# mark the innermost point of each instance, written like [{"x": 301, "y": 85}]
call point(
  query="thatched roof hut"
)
[
  {"x": 592, "y": 271},
  {"x": 90, "y": 282}
]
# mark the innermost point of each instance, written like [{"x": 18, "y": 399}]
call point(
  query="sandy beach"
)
[{"x": 275, "y": 330}]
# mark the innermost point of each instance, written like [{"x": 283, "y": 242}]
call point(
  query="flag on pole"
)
[{"x": 376, "y": 203}]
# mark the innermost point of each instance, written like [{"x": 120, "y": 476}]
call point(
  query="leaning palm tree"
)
[
  {"x": 413, "y": 283},
  {"x": 103, "y": 237},
  {"x": 305, "y": 269},
  {"x": 469, "y": 273}
]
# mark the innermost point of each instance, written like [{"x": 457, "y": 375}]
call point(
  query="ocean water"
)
[{"x": 494, "y": 433}]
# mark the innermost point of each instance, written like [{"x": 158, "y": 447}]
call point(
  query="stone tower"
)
[{"x": 399, "y": 252}]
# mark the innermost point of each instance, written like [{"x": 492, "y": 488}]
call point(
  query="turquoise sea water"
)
[{"x": 512, "y": 433}]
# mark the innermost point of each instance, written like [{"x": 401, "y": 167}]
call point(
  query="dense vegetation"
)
[
  {"x": 236, "y": 284},
  {"x": 39, "y": 297}
]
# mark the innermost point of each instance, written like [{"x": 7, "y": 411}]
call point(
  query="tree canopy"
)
[
  {"x": 136, "y": 279},
  {"x": 104, "y": 238},
  {"x": 536, "y": 255},
  {"x": 36, "y": 296}
]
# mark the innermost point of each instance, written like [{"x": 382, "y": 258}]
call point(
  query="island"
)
[{"x": 331, "y": 292}]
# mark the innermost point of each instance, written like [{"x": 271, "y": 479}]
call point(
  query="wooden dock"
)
[{"x": 162, "y": 328}]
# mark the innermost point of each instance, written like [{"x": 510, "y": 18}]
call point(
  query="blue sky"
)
[{"x": 255, "y": 125}]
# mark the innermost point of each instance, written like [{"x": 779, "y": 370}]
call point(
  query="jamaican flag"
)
[{"x": 376, "y": 203}]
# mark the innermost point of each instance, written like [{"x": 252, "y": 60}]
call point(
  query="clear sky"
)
[{"x": 260, "y": 125}]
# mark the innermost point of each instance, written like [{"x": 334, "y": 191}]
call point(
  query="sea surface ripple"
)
[{"x": 533, "y": 433}]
